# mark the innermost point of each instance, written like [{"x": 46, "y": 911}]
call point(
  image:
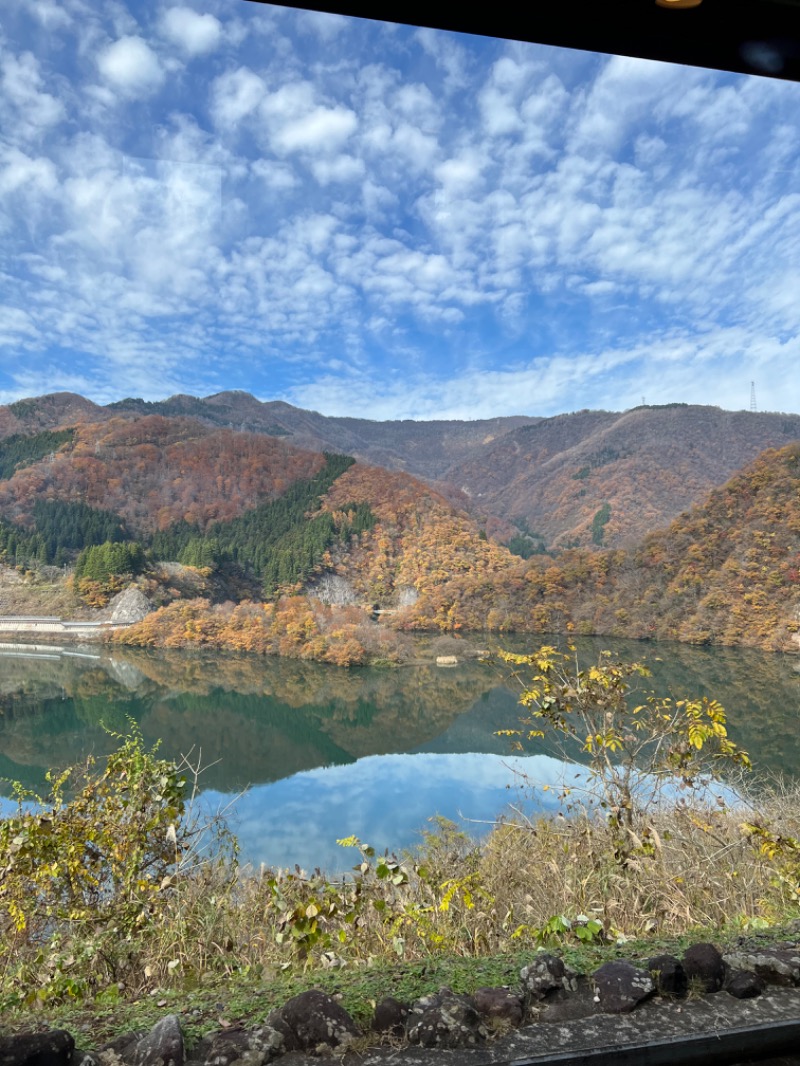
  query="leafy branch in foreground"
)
[
  {"x": 102, "y": 855},
  {"x": 94, "y": 864},
  {"x": 633, "y": 749}
]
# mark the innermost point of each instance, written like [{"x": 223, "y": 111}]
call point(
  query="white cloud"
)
[
  {"x": 342, "y": 168},
  {"x": 417, "y": 104},
  {"x": 29, "y": 111},
  {"x": 719, "y": 113},
  {"x": 412, "y": 147},
  {"x": 500, "y": 98},
  {"x": 235, "y": 95},
  {"x": 499, "y": 114},
  {"x": 413, "y": 787},
  {"x": 15, "y": 325},
  {"x": 51, "y": 15},
  {"x": 131, "y": 67},
  {"x": 450, "y": 56},
  {"x": 297, "y": 123},
  {"x": 523, "y": 223},
  {"x": 541, "y": 387},
  {"x": 323, "y": 129},
  {"x": 461, "y": 173},
  {"x": 29, "y": 175},
  {"x": 323, "y": 24},
  {"x": 625, "y": 90},
  {"x": 677, "y": 368},
  {"x": 276, "y": 176},
  {"x": 197, "y": 34}
]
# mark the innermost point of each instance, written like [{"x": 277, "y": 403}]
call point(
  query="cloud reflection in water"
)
[{"x": 384, "y": 800}]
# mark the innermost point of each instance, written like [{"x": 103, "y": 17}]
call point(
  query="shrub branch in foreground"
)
[
  {"x": 105, "y": 892},
  {"x": 641, "y": 753}
]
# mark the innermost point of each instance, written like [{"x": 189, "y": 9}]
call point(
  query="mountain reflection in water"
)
[{"x": 327, "y": 752}]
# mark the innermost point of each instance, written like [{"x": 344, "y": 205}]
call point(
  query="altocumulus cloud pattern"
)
[{"x": 385, "y": 221}]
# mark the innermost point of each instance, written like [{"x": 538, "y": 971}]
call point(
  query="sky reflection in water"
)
[
  {"x": 386, "y": 801},
  {"x": 323, "y": 749}
]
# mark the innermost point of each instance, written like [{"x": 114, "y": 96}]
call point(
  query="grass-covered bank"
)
[
  {"x": 245, "y": 1000},
  {"x": 133, "y": 916},
  {"x": 114, "y": 901}
]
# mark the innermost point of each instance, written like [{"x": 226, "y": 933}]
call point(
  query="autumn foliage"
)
[
  {"x": 270, "y": 520},
  {"x": 726, "y": 572},
  {"x": 155, "y": 471},
  {"x": 295, "y": 626}
]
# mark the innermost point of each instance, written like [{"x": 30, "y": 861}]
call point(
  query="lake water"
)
[{"x": 320, "y": 753}]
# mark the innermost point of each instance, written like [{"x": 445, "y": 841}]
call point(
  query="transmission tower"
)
[{"x": 753, "y": 406}]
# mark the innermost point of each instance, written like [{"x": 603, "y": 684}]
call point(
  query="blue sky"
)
[{"x": 384, "y": 221}]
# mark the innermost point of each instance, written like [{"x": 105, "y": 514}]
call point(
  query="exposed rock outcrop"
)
[{"x": 129, "y": 606}]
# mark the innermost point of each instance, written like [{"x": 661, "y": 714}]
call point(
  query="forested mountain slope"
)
[
  {"x": 394, "y": 542},
  {"x": 725, "y": 572},
  {"x": 418, "y": 545},
  {"x": 728, "y": 572},
  {"x": 425, "y": 449},
  {"x": 260, "y": 519},
  {"x": 594, "y": 478},
  {"x": 202, "y": 495},
  {"x": 154, "y": 471},
  {"x": 643, "y": 467},
  {"x": 53, "y": 411}
]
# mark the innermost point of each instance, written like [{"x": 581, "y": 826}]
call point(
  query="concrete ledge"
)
[{"x": 714, "y": 1029}]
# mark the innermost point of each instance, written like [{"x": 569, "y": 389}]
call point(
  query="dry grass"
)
[
  {"x": 526, "y": 884},
  {"x": 690, "y": 868},
  {"x": 43, "y": 592}
]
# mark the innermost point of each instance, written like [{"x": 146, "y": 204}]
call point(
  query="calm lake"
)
[{"x": 320, "y": 753}]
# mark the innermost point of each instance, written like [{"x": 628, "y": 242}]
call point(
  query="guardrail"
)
[{"x": 50, "y": 624}]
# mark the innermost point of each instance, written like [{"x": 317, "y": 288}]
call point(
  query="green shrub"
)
[{"x": 93, "y": 862}]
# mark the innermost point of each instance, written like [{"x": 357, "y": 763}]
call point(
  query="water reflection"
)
[
  {"x": 330, "y": 752},
  {"x": 386, "y": 801},
  {"x": 255, "y": 720}
]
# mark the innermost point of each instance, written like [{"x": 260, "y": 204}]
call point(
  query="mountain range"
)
[
  {"x": 544, "y": 477},
  {"x": 673, "y": 522}
]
